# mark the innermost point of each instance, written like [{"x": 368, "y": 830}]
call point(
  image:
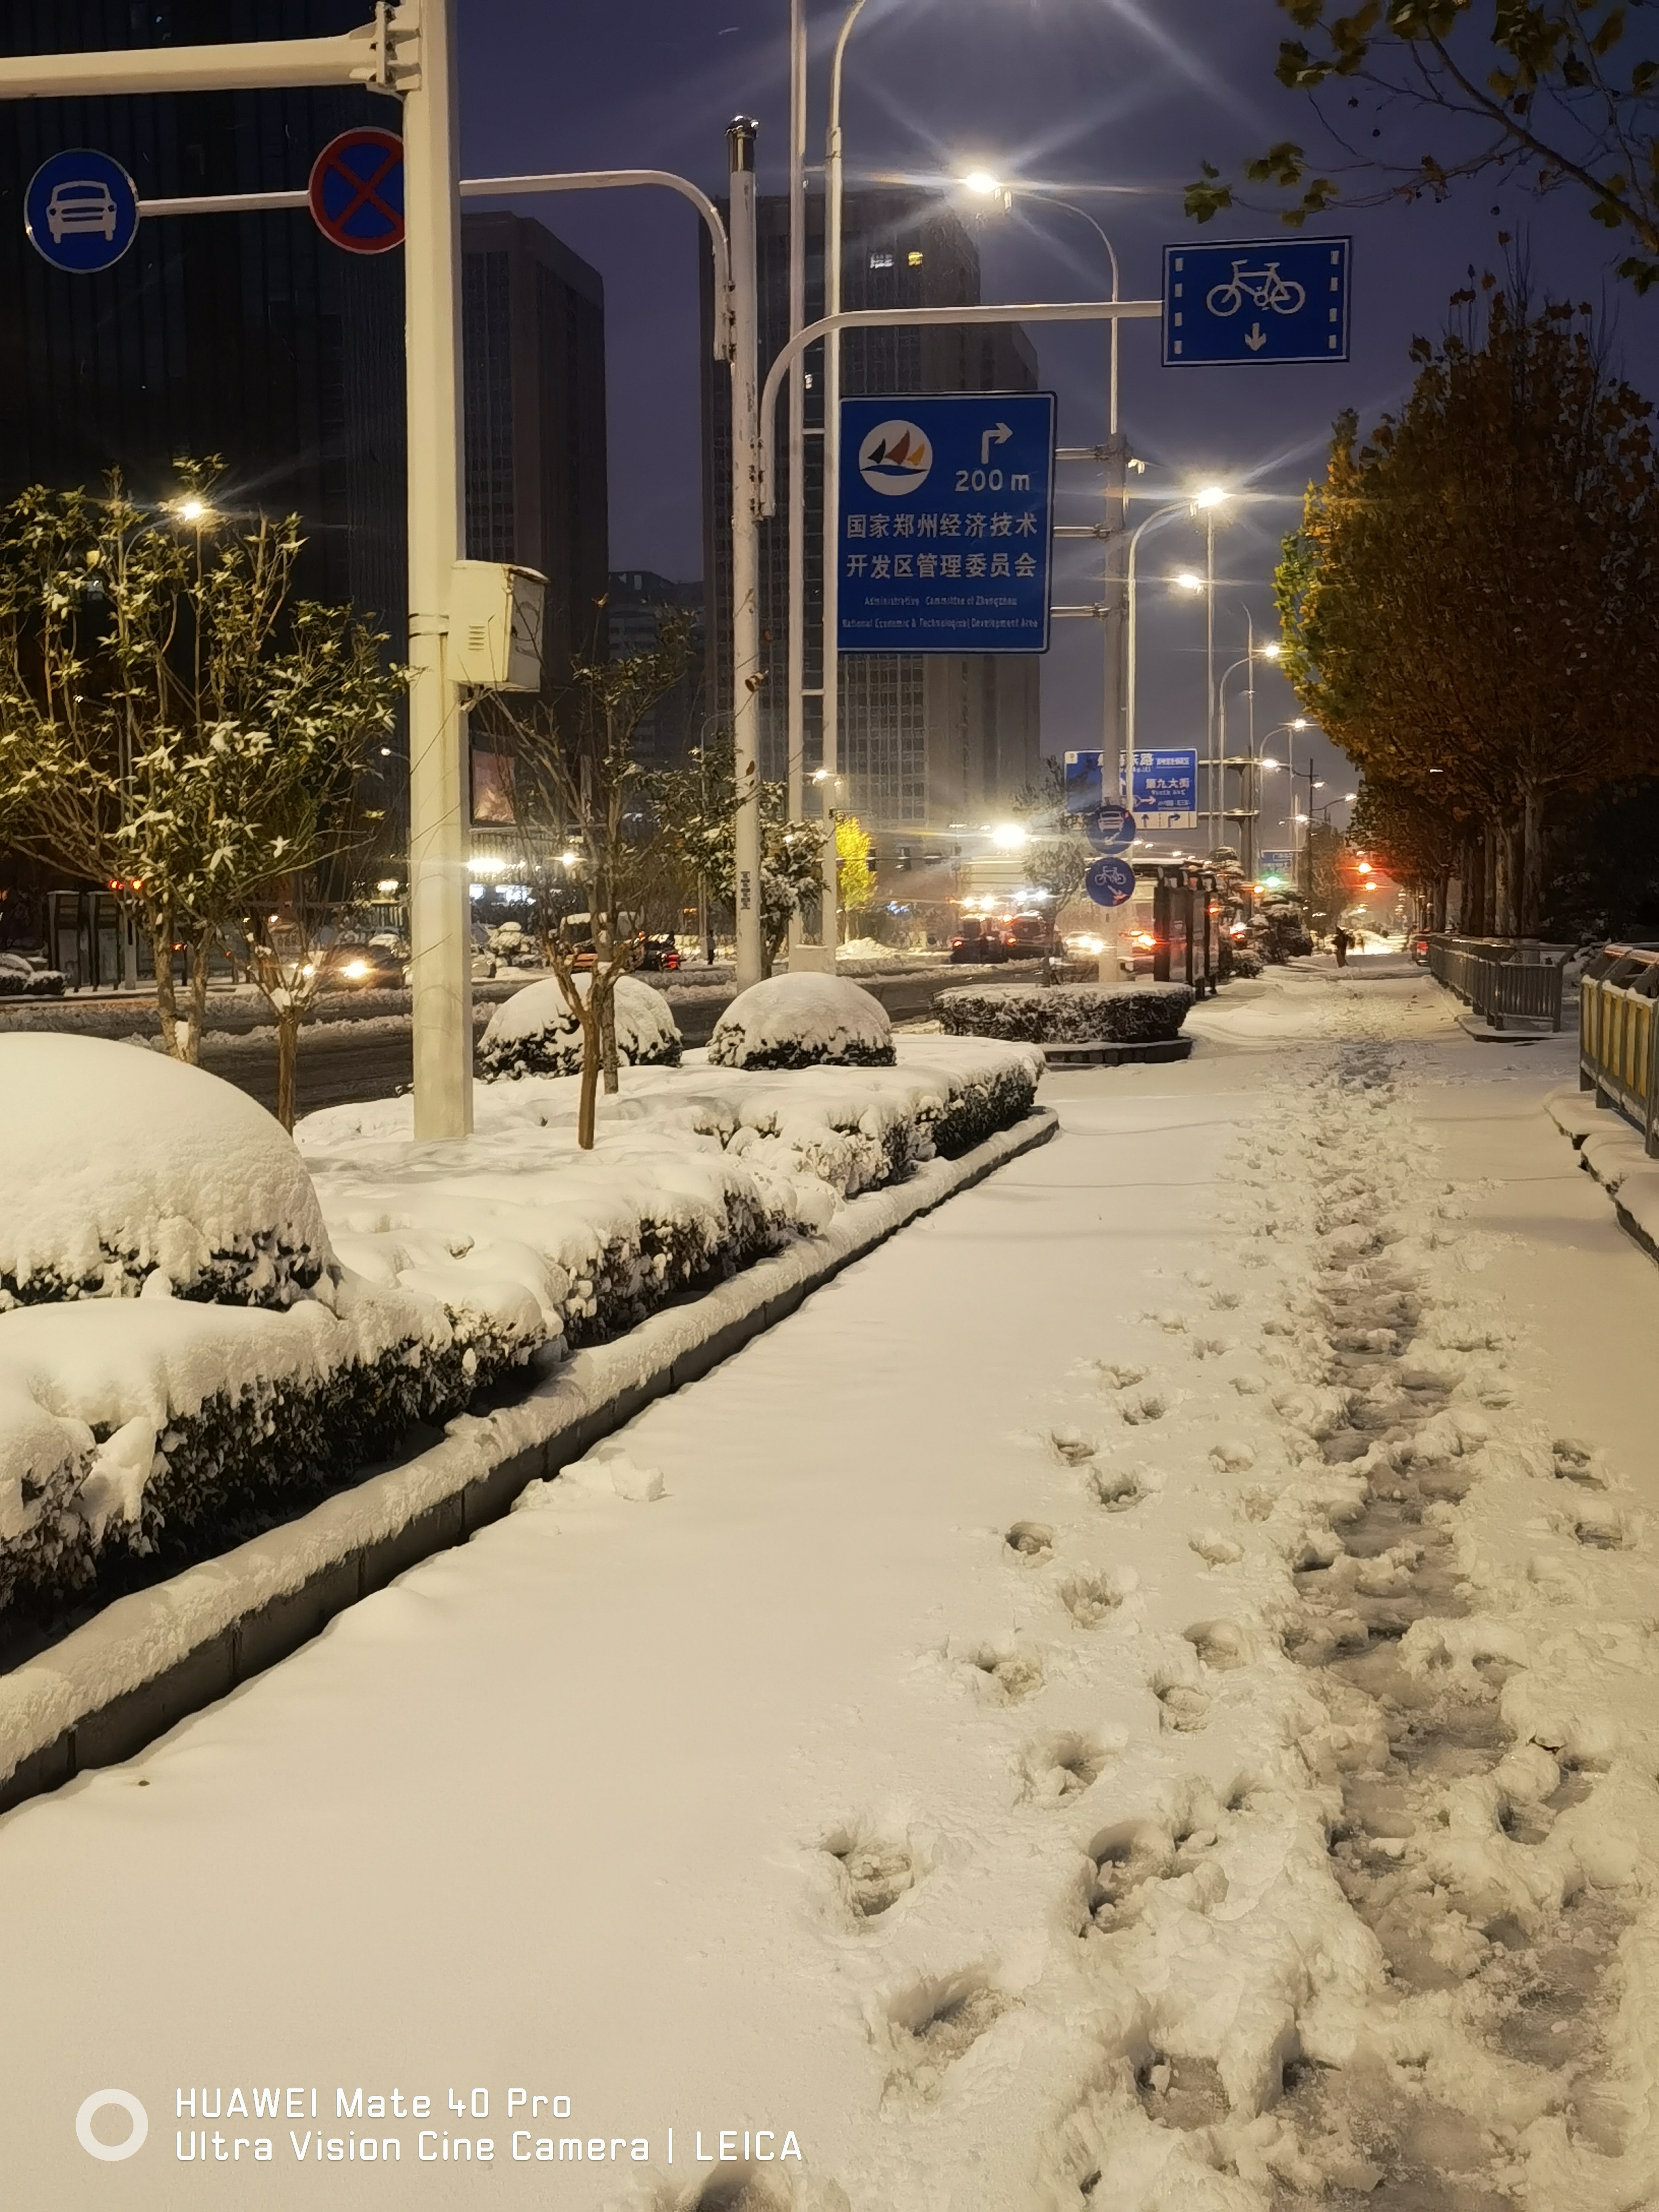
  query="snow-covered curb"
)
[
  {"x": 1614, "y": 1153},
  {"x": 147, "y": 1660}
]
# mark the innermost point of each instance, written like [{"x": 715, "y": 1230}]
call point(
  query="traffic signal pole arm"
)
[
  {"x": 876, "y": 318},
  {"x": 369, "y": 56}
]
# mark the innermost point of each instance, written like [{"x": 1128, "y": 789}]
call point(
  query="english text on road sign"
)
[
  {"x": 356, "y": 190},
  {"x": 1110, "y": 883},
  {"x": 946, "y": 519},
  {"x": 1164, "y": 788},
  {"x": 80, "y": 211},
  {"x": 1277, "y": 300}
]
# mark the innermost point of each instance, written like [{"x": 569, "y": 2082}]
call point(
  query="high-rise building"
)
[
  {"x": 928, "y": 740},
  {"x": 640, "y": 600}
]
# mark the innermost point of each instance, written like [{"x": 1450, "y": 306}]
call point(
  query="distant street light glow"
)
[
  {"x": 983, "y": 183},
  {"x": 1009, "y": 837},
  {"x": 1186, "y": 581},
  {"x": 1212, "y": 495},
  {"x": 1272, "y": 651}
]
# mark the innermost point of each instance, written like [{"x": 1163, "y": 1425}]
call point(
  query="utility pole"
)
[
  {"x": 796, "y": 676},
  {"x": 1212, "y": 771},
  {"x": 440, "y": 909},
  {"x": 747, "y": 674}
]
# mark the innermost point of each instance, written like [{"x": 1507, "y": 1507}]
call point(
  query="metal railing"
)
[
  {"x": 1619, "y": 1035},
  {"x": 1498, "y": 981}
]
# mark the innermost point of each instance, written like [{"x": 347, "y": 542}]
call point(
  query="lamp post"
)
[
  {"x": 984, "y": 186},
  {"x": 834, "y": 193}
]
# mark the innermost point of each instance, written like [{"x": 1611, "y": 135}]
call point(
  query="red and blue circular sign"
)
[
  {"x": 357, "y": 191},
  {"x": 80, "y": 211},
  {"x": 1110, "y": 883},
  {"x": 1110, "y": 829}
]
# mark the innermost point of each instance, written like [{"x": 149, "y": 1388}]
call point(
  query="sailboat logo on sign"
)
[{"x": 896, "y": 459}]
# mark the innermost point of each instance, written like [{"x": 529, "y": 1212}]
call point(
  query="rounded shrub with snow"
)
[
  {"x": 803, "y": 1020},
  {"x": 1070, "y": 1013},
  {"x": 535, "y": 1033},
  {"x": 122, "y": 1166}
]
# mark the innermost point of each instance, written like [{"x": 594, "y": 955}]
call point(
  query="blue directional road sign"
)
[
  {"x": 1110, "y": 883},
  {"x": 1164, "y": 787},
  {"x": 1275, "y": 300},
  {"x": 946, "y": 519},
  {"x": 80, "y": 211}
]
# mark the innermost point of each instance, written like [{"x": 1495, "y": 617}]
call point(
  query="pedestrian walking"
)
[{"x": 1341, "y": 941}]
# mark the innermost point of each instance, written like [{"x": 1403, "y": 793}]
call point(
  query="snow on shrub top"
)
[
  {"x": 803, "y": 1020},
  {"x": 535, "y": 1033},
  {"x": 121, "y": 1165},
  {"x": 1127, "y": 1013}
]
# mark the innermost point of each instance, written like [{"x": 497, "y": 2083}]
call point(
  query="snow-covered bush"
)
[
  {"x": 1246, "y": 965},
  {"x": 803, "y": 1020},
  {"x": 1071, "y": 1013},
  {"x": 535, "y": 1033},
  {"x": 123, "y": 1165},
  {"x": 151, "y": 1426},
  {"x": 21, "y": 979}
]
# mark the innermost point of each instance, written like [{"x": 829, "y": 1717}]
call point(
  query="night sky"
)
[{"x": 1129, "y": 94}]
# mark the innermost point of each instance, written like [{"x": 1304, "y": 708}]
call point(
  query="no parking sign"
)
[{"x": 356, "y": 190}]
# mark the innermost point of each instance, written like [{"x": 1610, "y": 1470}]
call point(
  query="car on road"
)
[
  {"x": 1030, "y": 937},
  {"x": 361, "y": 968},
  {"x": 659, "y": 953},
  {"x": 77, "y": 208},
  {"x": 978, "y": 940}
]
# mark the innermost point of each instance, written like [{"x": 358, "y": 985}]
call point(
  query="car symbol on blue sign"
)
[
  {"x": 80, "y": 211},
  {"x": 1272, "y": 300}
]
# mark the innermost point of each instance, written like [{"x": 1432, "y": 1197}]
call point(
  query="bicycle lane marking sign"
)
[
  {"x": 1274, "y": 300},
  {"x": 356, "y": 190}
]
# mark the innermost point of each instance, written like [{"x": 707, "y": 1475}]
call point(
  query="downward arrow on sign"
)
[{"x": 1257, "y": 339}]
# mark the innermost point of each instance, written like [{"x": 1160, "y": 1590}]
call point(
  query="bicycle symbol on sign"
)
[{"x": 1264, "y": 287}]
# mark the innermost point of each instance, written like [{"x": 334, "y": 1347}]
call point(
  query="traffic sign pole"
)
[
  {"x": 745, "y": 557},
  {"x": 439, "y": 907}
]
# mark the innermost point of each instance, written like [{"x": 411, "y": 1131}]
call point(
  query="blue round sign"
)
[
  {"x": 1110, "y": 829},
  {"x": 357, "y": 191},
  {"x": 1110, "y": 883},
  {"x": 80, "y": 211}
]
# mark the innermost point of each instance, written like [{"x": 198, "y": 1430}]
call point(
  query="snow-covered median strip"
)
[{"x": 150, "y": 1658}]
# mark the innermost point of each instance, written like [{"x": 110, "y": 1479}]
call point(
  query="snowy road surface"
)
[{"x": 1138, "y": 1696}]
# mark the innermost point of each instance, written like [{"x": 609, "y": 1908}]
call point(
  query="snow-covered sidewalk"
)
[{"x": 1136, "y": 1696}]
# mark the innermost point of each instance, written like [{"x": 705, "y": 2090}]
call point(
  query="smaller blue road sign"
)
[
  {"x": 80, "y": 211},
  {"x": 1110, "y": 883},
  {"x": 356, "y": 190},
  {"x": 1276, "y": 299},
  {"x": 1110, "y": 829},
  {"x": 946, "y": 519},
  {"x": 1164, "y": 788}
]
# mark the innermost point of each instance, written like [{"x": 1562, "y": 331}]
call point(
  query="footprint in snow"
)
[
  {"x": 876, "y": 1871},
  {"x": 1091, "y": 1599},
  {"x": 1029, "y": 1542},
  {"x": 1055, "y": 1769},
  {"x": 1184, "y": 1708},
  {"x": 934, "y": 2023}
]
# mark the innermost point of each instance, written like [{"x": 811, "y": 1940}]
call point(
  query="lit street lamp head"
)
[
  {"x": 981, "y": 183},
  {"x": 1212, "y": 497},
  {"x": 1186, "y": 581}
]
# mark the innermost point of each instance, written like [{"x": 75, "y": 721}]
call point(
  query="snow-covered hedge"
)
[
  {"x": 122, "y": 1165},
  {"x": 1069, "y": 1013},
  {"x": 133, "y": 1427},
  {"x": 535, "y": 1033},
  {"x": 162, "y": 1426},
  {"x": 803, "y": 1020},
  {"x": 21, "y": 979},
  {"x": 1246, "y": 965}
]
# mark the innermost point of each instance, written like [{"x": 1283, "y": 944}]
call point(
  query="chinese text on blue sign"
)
[
  {"x": 946, "y": 513},
  {"x": 1278, "y": 299},
  {"x": 1165, "y": 788}
]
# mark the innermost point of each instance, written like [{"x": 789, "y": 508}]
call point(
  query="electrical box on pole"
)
[{"x": 497, "y": 617}]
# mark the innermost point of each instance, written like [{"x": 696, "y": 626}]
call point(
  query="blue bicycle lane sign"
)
[{"x": 1274, "y": 300}]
